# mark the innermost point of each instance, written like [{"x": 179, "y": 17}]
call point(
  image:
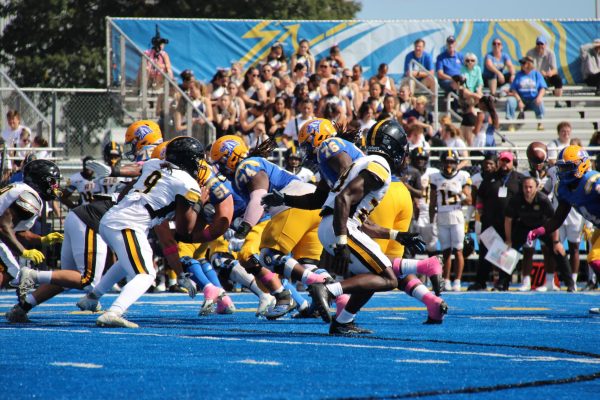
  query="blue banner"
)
[{"x": 206, "y": 45}]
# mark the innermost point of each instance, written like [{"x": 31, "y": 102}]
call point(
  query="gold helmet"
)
[
  {"x": 139, "y": 136},
  {"x": 226, "y": 152}
]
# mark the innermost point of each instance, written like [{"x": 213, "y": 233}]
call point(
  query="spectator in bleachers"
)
[
  {"x": 277, "y": 59},
  {"x": 285, "y": 86},
  {"x": 237, "y": 73},
  {"x": 365, "y": 117},
  {"x": 486, "y": 123},
  {"x": 386, "y": 82},
  {"x": 419, "y": 115},
  {"x": 473, "y": 81},
  {"x": 425, "y": 59},
  {"x": 314, "y": 88},
  {"x": 594, "y": 142},
  {"x": 590, "y": 64},
  {"x": 254, "y": 115},
  {"x": 359, "y": 80},
  {"x": 12, "y": 133},
  {"x": 301, "y": 92},
  {"x": 451, "y": 136},
  {"x": 333, "y": 97},
  {"x": 236, "y": 102},
  {"x": 40, "y": 141},
  {"x": 24, "y": 143},
  {"x": 202, "y": 103},
  {"x": 375, "y": 96},
  {"x": 333, "y": 112},
  {"x": 252, "y": 90},
  {"x": 406, "y": 101},
  {"x": 257, "y": 136},
  {"x": 544, "y": 60},
  {"x": 493, "y": 195},
  {"x": 416, "y": 138},
  {"x": 563, "y": 130},
  {"x": 290, "y": 133},
  {"x": 350, "y": 90},
  {"x": 270, "y": 82},
  {"x": 336, "y": 60},
  {"x": 325, "y": 72},
  {"x": 448, "y": 65},
  {"x": 218, "y": 84},
  {"x": 527, "y": 92},
  {"x": 160, "y": 57},
  {"x": 304, "y": 57},
  {"x": 165, "y": 116},
  {"x": 225, "y": 116},
  {"x": 390, "y": 108},
  {"x": 299, "y": 74},
  {"x": 498, "y": 67},
  {"x": 467, "y": 124},
  {"x": 278, "y": 117}
]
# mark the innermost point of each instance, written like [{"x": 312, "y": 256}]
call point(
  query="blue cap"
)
[{"x": 541, "y": 39}]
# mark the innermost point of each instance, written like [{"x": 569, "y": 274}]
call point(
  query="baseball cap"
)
[
  {"x": 506, "y": 155},
  {"x": 596, "y": 42},
  {"x": 541, "y": 39},
  {"x": 526, "y": 59},
  {"x": 450, "y": 39}
]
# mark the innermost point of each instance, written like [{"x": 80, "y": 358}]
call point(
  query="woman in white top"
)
[
  {"x": 451, "y": 136},
  {"x": 383, "y": 78},
  {"x": 304, "y": 57}
]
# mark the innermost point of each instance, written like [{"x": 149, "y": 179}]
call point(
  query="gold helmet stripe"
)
[{"x": 375, "y": 129}]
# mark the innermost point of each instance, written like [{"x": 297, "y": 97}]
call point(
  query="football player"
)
[
  {"x": 82, "y": 183},
  {"x": 450, "y": 190}
]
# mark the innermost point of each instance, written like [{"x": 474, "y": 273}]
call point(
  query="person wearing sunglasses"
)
[
  {"x": 473, "y": 81},
  {"x": 498, "y": 67},
  {"x": 544, "y": 60}
]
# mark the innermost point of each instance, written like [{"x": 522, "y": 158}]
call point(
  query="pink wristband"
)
[
  {"x": 479, "y": 206},
  {"x": 167, "y": 251}
]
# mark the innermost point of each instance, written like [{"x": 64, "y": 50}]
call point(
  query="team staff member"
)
[
  {"x": 493, "y": 196},
  {"x": 524, "y": 212}
]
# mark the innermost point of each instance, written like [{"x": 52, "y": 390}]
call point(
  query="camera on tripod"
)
[{"x": 157, "y": 40}]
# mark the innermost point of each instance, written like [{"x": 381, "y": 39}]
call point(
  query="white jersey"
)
[
  {"x": 25, "y": 195},
  {"x": 152, "y": 198},
  {"x": 109, "y": 185},
  {"x": 476, "y": 180},
  {"x": 84, "y": 187},
  {"x": 306, "y": 175},
  {"x": 551, "y": 185},
  {"x": 423, "y": 202},
  {"x": 448, "y": 190},
  {"x": 377, "y": 166}
]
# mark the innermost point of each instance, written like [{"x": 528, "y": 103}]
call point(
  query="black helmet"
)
[
  {"x": 43, "y": 176},
  {"x": 185, "y": 152},
  {"x": 419, "y": 152},
  {"x": 449, "y": 160},
  {"x": 388, "y": 139},
  {"x": 111, "y": 150}
]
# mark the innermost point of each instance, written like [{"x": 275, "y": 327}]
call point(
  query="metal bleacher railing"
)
[{"x": 138, "y": 91}]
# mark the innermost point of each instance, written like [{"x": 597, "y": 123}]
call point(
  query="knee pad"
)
[
  {"x": 219, "y": 259},
  {"x": 253, "y": 265},
  {"x": 309, "y": 263},
  {"x": 274, "y": 261}
]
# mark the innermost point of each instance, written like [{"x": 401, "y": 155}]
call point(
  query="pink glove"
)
[{"x": 535, "y": 233}]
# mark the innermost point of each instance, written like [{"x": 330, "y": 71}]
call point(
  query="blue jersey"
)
[
  {"x": 585, "y": 198},
  {"x": 329, "y": 148},
  {"x": 278, "y": 177},
  {"x": 218, "y": 187},
  {"x": 240, "y": 204}
]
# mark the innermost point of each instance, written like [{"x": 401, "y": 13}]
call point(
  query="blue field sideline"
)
[{"x": 496, "y": 345}]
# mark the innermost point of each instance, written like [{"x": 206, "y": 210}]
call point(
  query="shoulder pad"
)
[
  {"x": 29, "y": 202},
  {"x": 590, "y": 182}
]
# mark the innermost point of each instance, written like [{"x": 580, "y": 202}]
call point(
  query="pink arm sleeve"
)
[{"x": 254, "y": 210}]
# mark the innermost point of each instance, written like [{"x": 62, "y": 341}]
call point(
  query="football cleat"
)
[
  {"x": 89, "y": 302},
  {"x": 436, "y": 313},
  {"x": 307, "y": 312},
  {"x": 26, "y": 282},
  {"x": 264, "y": 303},
  {"x": 347, "y": 329},
  {"x": 111, "y": 320},
  {"x": 321, "y": 298},
  {"x": 209, "y": 306},
  {"x": 17, "y": 315},
  {"x": 284, "y": 304},
  {"x": 437, "y": 283},
  {"x": 595, "y": 310},
  {"x": 225, "y": 304}
]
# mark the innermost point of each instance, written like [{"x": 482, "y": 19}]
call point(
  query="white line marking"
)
[
  {"x": 255, "y": 362},
  {"x": 423, "y": 361},
  {"x": 76, "y": 365},
  {"x": 393, "y": 318}
]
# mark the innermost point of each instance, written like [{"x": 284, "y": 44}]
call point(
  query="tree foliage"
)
[{"x": 61, "y": 43}]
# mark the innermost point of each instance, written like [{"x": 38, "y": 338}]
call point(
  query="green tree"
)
[{"x": 61, "y": 43}]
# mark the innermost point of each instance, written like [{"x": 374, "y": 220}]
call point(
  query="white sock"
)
[
  {"x": 345, "y": 317},
  {"x": 408, "y": 266},
  {"x": 419, "y": 292},
  {"x": 335, "y": 289},
  {"x": 549, "y": 280},
  {"x": 276, "y": 291},
  {"x": 31, "y": 300},
  {"x": 134, "y": 289},
  {"x": 303, "y": 306},
  {"x": 574, "y": 275},
  {"x": 526, "y": 280},
  {"x": 114, "y": 275},
  {"x": 44, "y": 277}
]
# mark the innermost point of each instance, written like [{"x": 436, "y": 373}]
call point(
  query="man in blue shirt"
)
[
  {"x": 448, "y": 65},
  {"x": 527, "y": 91},
  {"x": 425, "y": 59}
]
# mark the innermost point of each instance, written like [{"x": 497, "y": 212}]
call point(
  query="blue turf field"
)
[{"x": 498, "y": 345}]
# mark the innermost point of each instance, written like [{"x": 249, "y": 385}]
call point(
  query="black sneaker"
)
[
  {"x": 348, "y": 329},
  {"x": 285, "y": 303},
  {"x": 321, "y": 299},
  {"x": 177, "y": 289},
  {"x": 591, "y": 285},
  {"x": 476, "y": 287},
  {"x": 308, "y": 312},
  {"x": 521, "y": 115}
]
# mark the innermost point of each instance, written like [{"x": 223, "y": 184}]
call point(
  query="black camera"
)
[{"x": 157, "y": 40}]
